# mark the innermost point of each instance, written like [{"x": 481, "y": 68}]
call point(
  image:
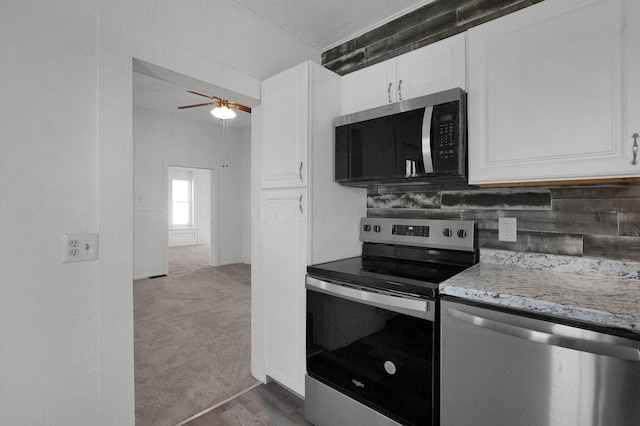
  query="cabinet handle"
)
[
  {"x": 400, "y": 90},
  {"x": 300, "y": 171},
  {"x": 389, "y": 92},
  {"x": 635, "y": 149},
  {"x": 300, "y": 204}
]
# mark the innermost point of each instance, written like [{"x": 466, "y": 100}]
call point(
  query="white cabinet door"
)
[
  {"x": 433, "y": 68},
  {"x": 633, "y": 73},
  {"x": 547, "y": 94},
  {"x": 283, "y": 218},
  {"x": 285, "y": 128},
  {"x": 369, "y": 87}
]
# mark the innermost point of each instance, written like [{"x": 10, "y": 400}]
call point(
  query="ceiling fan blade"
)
[
  {"x": 240, "y": 107},
  {"x": 196, "y": 105},
  {"x": 214, "y": 98}
]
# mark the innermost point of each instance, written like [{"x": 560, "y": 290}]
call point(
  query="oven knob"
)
[
  {"x": 366, "y": 228},
  {"x": 376, "y": 228},
  {"x": 462, "y": 233},
  {"x": 447, "y": 232}
]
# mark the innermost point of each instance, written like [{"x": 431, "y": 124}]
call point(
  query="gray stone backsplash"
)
[{"x": 597, "y": 221}]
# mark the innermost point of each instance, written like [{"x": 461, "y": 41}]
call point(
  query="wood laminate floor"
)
[{"x": 268, "y": 405}]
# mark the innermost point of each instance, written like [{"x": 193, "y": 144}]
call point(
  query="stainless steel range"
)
[{"x": 373, "y": 321}]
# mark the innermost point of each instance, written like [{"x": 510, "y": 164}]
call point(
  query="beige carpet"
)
[
  {"x": 188, "y": 258},
  {"x": 192, "y": 342}
]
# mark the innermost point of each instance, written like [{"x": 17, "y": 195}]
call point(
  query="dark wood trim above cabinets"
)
[{"x": 428, "y": 24}]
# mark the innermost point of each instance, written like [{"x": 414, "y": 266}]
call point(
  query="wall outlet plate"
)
[
  {"x": 79, "y": 247},
  {"x": 508, "y": 229}
]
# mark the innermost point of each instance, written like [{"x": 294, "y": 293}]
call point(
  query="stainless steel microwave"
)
[{"x": 420, "y": 140}]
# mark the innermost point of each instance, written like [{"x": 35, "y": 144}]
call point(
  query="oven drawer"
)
[{"x": 325, "y": 406}]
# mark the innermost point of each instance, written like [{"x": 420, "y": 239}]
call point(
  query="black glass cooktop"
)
[{"x": 418, "y": 279}]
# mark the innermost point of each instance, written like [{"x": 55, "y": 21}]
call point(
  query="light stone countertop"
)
[{"x": 536, "y": 287}]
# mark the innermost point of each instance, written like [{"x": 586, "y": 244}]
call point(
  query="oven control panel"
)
[
  {"x": 410, "y": 230},
  {"x": 436, "y": 233}
]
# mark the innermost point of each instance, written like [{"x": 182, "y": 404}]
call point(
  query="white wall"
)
[
  {"x": 66, "y": 165},
  {"x": 203, "y": 205},
  {"x": 246, "y": 168},
  {"x": 49, "y": 311},
  {"x": 233, "y": 204},
  {"x": 162, "y": 140}
]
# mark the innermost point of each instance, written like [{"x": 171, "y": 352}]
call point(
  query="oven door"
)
[{"x": 377, "y": 348}]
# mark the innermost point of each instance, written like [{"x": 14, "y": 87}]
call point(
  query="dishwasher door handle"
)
[{"x": 585, "y": 345}]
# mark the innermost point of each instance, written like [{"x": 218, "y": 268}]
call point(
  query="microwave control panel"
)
[{"x": 445, "y": 134}]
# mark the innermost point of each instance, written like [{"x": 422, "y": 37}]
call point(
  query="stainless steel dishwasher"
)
[{"x": 503, "y": 369}]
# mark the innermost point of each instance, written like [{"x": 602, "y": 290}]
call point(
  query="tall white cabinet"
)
[
  {"x": 305, "y": 217},
  {"x": 553, "y": 93}
]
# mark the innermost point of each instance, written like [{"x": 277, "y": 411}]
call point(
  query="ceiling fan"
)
[{"x": 223, "y": 109}]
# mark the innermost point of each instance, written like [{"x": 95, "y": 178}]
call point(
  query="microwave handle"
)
[{"x": 426, "y": 140}]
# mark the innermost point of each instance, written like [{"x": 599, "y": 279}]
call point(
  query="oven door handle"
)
[{"x": 419, "y": 308}]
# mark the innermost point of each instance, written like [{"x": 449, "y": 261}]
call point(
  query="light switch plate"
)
[{"x": 79, "y": 247}]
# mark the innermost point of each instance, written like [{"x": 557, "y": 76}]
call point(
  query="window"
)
[{"x": 182, "y": 199}]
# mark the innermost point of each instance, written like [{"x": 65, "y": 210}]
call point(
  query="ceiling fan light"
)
[{"x": 223, "y": 112}]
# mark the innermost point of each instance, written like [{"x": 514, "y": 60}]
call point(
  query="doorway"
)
[
  {"x": 165, "y": 136},
  {"x": 189, "y": 225},
  {"x": 185, "y": 329}
]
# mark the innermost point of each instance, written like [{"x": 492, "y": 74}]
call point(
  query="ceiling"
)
[
  {"x": 161, "y": 96},
  {"x": 326, "y": 23},
  {"x": 320, "y": 23}
]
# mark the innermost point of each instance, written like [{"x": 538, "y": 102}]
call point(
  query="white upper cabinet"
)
[
  {"x": 285, "y": 129},
  {"x": 433, "y": 68},
  {"x": 553, "y": 93},
  {"x": 369, "y": 87}
]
